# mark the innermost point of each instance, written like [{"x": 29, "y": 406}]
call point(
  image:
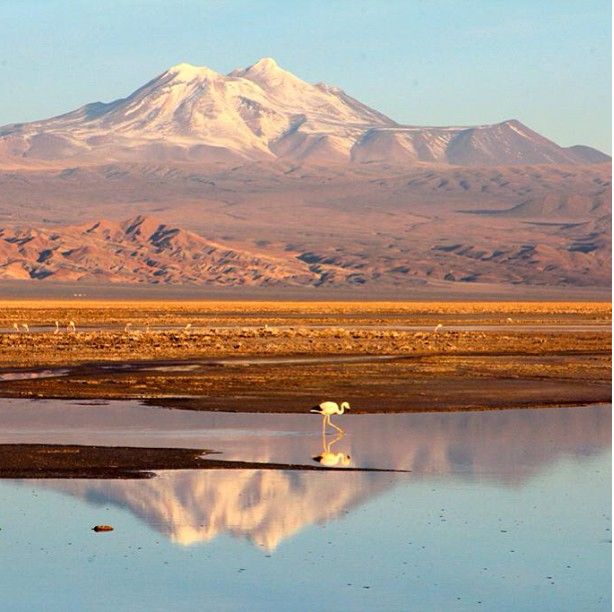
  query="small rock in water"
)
[{"x": 98, "y": 528}]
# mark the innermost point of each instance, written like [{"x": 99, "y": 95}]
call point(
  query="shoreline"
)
[
  {"x": 29, "y": 290},
  {"x": 288, "y": 357},
  {"x": 372, "y": 384}
]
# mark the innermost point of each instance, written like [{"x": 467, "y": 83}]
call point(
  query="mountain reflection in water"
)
[{"x": 505, "y": 448}]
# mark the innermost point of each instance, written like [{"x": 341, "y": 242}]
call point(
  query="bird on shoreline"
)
[
  {"x": 71, "y": 327},
  {"x": 327, "y": 409},
  {"x": 57, "y": 328},
  {"x": 439, "y": 327}
]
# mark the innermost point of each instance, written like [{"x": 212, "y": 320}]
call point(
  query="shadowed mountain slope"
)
[{"x": 140, "y": 250}]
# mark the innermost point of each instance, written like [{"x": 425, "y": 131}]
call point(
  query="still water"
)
[{"x": 504, "y": 510}]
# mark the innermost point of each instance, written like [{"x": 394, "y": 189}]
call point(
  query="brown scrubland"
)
[{"x": 281, "y": 356}]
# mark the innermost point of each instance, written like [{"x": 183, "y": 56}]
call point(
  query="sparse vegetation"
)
[{"x": 499, "y": 354}]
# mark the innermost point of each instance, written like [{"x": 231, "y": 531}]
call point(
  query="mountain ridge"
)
[
  {"x": 194, "y": 114},
  {"x": 259, "y": 178},
  {"x": 144, "y": 249},
  {"x": 136, "y": 250}
]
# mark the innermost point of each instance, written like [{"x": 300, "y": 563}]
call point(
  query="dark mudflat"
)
[
  {"x": 406, "y": 384},
  {"x": 112, "y": 462}
]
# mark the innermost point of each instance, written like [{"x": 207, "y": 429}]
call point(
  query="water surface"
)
[{"x": 503, "y": 510}]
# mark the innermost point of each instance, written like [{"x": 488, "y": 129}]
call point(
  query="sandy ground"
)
[{"x": 286, "y": 357}]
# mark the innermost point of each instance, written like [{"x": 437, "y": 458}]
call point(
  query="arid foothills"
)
[{"x": 257, "y": 178}]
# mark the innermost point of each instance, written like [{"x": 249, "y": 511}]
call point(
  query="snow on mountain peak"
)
[
  {"x": 267, "y": 73},
  {"x": 194, "y": 113},
  {"x": 188, "y": 72},
  {"x": 266, "y": 63},
  {"x": 262, "y": 66}
]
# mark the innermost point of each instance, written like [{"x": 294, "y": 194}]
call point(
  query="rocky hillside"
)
[{"x": 140, "y": 250}]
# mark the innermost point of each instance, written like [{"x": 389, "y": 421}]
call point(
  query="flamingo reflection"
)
[{"x": 328, "y": 458}]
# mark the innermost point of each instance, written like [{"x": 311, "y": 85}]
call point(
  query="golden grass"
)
[
  {"x": 515, "y": 365},
  {"x": 90, "y": 312},
  {"x": 310, "y": 306}
]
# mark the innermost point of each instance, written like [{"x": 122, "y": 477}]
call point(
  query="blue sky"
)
[{"x": 457, "y": 62}]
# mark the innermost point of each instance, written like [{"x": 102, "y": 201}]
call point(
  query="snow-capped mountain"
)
[
  {"x": 257, "y": 178},
  {"x": 191, "y": 113}
]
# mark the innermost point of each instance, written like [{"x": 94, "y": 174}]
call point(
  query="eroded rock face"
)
[
  {"x": 140, "y": 250},
  {"x": 543, "y": 241}
]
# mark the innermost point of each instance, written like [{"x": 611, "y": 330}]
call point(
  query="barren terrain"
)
[
  {"x": 259, "y": 179},
  {"x": 286, "y": 357},
  {"x": 262, "y": 225}
]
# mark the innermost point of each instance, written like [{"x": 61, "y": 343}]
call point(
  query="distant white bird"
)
[
  {"x": 16, "y": 327},
  {"x": 25, "y": 328},
  {"x": 327, "y": 409},
  {"x": 57, "y": 328},
  {"x": 439, "y": 326},
  {"x": 71, "y": 327},
  {"x": 510, "y": 320},
  {"x": 127, "y": 328},
  {"x": 188, "y": 328}
]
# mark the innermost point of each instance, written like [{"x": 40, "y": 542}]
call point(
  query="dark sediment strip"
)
[
  {"x": 110, "y": 462},
  {"x": 372, "y": 383}
]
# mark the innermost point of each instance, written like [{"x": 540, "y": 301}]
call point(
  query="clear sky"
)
[{"x": 436, "y": 62}]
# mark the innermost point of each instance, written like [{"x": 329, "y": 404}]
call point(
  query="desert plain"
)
[{"x": 289, "y": 356}]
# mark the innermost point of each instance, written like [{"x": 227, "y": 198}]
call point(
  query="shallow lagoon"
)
[{"x": 504, "y": 510}]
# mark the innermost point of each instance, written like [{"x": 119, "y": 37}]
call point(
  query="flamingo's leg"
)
[
  {"x": 333, "y": 425},
  {"x": 325, "y": 444},
  {"x": 329, "y": 422},
  {"x": 335, "y": 440}
]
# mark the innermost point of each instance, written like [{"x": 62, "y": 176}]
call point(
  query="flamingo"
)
[
  {"x": 71, "y": 327},
  {"x": 25, "y": 328},
  {"x": 329, "y": 459},
  {"x": 327, "y": 409},
  {"x": 439, "y": 326},
  {"x": 57, "y": 328},
  {"x": 16, "y": 327}
]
